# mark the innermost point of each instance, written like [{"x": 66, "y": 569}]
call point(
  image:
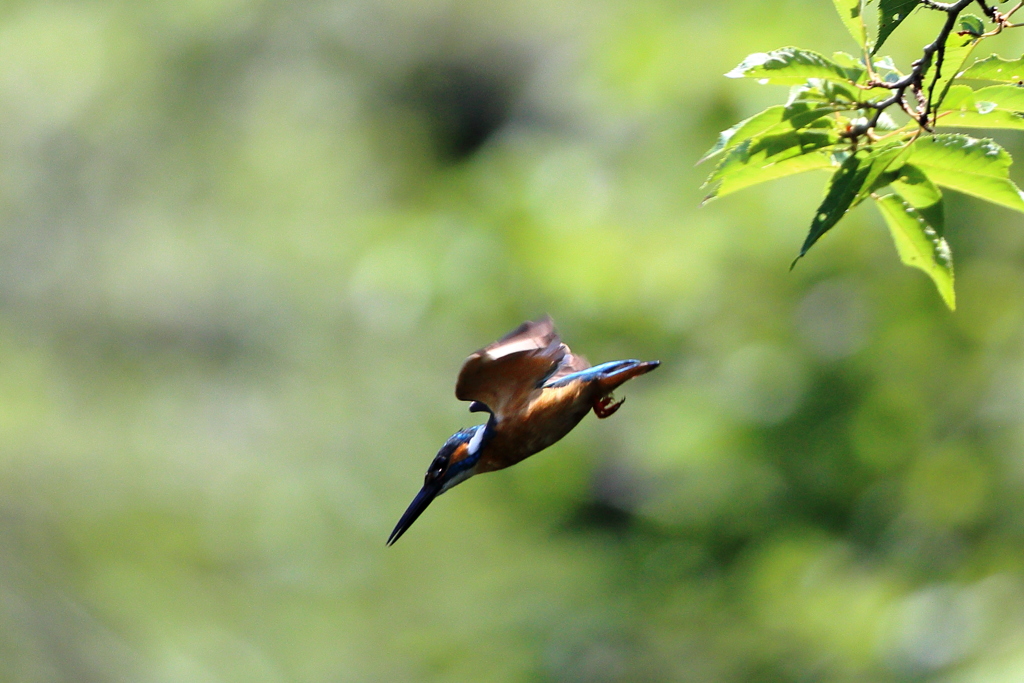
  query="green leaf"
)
[
  {"x": 882, "y": 160},
  {"x": 776, "y": 119},
  {"x": 972, "y": 25},
  {"x": 792, "y": 66},
  {"x": 917, "y": 189},
  {"x": 886, "y": 68},
  {"x": 821, "y": 91},
  {"x": 754, "y": 174},
  {"x": 997, "y": 106},
  {"x": 843, "y": 188},
  {"x": 920, "y": 243},
  {"x": 891, "y": 14},
  {"x": 851, "y": 12},
  {"x": 768, "y": 157},
  {"x": 973, "y": 166},
  {"x": 746, "y": 129},
  {"x": 958, "y": 96},
  {"x": 995, "y": 68},
  {"x": 888, "y": 169},
  {"x": 848, "y": 61},
  {"x": 838, "y": 94},
  {"x": 886, "y": 123},
  {"x": 855, "y": 178},
  {"x": 1006, "y": 97},
  {"x": 957, "y": 49},
  {"x": 848, "y": 186}
]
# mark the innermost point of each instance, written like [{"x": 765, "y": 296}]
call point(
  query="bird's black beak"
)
[{"x": 415, "y": 509}]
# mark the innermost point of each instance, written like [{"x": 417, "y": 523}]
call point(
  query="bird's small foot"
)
[{"x": 606, "y": 407}]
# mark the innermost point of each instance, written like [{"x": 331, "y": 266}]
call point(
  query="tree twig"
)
[{"x": 914, "y": 81}]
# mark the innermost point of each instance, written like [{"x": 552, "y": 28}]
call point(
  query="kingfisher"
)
[{"x": 534, "y": 391}]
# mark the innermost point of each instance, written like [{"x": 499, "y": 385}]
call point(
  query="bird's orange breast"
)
[{"x": 547, "y": 417}]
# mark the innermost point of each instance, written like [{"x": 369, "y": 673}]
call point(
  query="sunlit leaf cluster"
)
[{"x": 874, "y": 128}]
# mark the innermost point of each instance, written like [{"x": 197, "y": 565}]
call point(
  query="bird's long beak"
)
[
  {"x": 624, "y": 371},
  {"x": 415, "y": 509}
]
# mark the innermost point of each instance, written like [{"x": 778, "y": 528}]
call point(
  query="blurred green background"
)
[{"x": 246, "y": 245}]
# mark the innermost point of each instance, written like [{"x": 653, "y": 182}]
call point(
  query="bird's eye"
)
[{"x": 436, "y": 469}]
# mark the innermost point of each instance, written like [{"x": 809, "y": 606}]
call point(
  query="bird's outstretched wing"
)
[
  {"x": 503, "y": 375},
  {"x": 570, "y": 363}
]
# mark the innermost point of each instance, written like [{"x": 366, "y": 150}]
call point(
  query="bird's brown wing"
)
[
  {"x": 504, "y": 374},
  {"x": 570, "y": 363}
]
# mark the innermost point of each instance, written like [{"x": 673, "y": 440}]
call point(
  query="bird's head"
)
[{"x": 454, "y": 463}]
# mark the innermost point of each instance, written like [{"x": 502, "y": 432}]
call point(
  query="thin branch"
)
[
  {"x": 991, "y": 12},
  {"x": 940, "y": 56},
  {"x": 914, "y": 81},
  {"x": 1000, "y": 19}
]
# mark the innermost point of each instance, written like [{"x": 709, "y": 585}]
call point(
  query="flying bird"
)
[{"x": 534, "y": 390}]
